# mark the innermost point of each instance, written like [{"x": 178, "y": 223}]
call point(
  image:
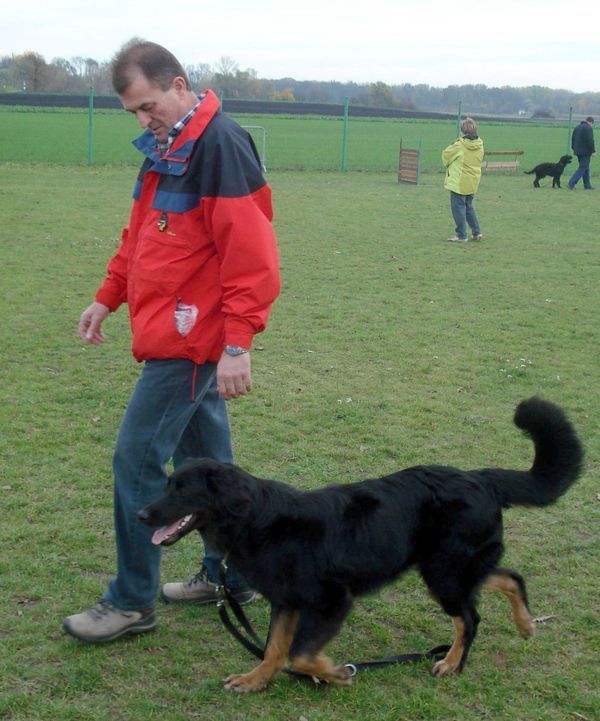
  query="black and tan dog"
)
[
  {"x": 311, "y": 552},
  {"x": 554, "y": 170}
]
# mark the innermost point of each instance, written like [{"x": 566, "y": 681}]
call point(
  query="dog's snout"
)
[{"x": 143, "y": 515}]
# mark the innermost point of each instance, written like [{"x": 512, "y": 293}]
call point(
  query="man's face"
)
[{"x": 155, "y": 108}]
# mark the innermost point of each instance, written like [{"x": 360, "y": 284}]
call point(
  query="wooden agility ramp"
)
[{"x": 409, "y": 164}]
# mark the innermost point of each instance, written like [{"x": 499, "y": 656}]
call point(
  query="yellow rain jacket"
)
[{"x": 463, "y": 162}]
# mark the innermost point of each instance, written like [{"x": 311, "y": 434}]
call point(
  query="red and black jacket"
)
[{"x": 199, "y": 237}]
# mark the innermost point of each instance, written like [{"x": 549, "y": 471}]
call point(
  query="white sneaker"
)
[{"x": 456, "y": 239}]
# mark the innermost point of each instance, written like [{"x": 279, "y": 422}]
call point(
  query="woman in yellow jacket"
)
[{"x": 463, "y": 162}]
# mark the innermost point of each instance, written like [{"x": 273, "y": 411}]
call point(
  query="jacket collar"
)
[{"x": 181, "y": 148}]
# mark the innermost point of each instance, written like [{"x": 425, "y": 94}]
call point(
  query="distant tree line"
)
[{"x": 29, "y": 72}]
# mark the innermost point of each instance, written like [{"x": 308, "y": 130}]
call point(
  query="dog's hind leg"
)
[
  {"x": 315, "y": 630},
  {"x": 281, "y": 633},
  {"x": 512, "y": 585}
]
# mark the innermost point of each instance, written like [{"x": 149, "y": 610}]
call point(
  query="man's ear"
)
[{"x": 179, "y": 85}]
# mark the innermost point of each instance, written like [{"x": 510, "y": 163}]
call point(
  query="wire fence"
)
[{"x": 102, "y": 136}]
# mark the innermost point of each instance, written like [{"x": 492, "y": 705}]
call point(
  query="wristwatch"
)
[{"x": 234, "y": 350}]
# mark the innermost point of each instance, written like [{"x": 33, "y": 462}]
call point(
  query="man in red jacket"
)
[{"x": 198, "y": 269}]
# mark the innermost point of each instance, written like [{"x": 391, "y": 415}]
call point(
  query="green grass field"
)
[
  {"x": 299, "y": 143},
  {"x": 388, "y": 347}
]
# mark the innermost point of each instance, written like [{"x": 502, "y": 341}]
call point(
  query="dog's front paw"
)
[
  {"x": 445, "y": 667},
  {"x": 339, "y": 675},
  {"x": 322, "y": 670},
  {"x": 245, "y": 682}
]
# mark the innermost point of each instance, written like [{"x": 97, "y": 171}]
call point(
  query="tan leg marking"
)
[
  {"x": 510, "y": 588},
  {"x": 323, "y": 668},
  {"x": 451, "y": 662},
  {"x": 276, "y": 653}
]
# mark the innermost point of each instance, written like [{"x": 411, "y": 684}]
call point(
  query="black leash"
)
[{"x": 253, "y": 643}]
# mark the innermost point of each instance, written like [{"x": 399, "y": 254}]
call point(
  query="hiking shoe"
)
[
  {"x": 103, "y": 622},
  {"x": 200, "y": 590},
  {"x": 479, "y": 236},
  {"x": 456, "y": 239}
]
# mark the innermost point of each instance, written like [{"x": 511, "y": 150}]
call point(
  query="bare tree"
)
[
  {"x": 226, "y": 66},
  {"x": 200, "y": 76},
  {"x": 91, "y": 68},
  {"x": 79, "y": 64}
]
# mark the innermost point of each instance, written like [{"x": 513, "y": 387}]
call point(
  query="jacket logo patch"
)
[
  {"x": 185, "y": 317},
  {"x": 162, "y": 223}
]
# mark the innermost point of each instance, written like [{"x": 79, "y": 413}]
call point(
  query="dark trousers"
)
[{"x": 583, "y": 171}]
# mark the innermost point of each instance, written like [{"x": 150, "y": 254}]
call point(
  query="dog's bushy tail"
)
[
  {"x": 558, "y": 457},
  {"x": 529, "y": 172}
]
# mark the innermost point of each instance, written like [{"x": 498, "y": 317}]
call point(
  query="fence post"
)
[
  {"x": 90, "y": 158},
  {"x": 569, "y": 131},
  {"x": 345, "y": 135},
  {"x": 458, "y": 113}
]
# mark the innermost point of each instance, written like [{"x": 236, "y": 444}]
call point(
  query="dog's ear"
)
[{"x": 230, "y": 488}]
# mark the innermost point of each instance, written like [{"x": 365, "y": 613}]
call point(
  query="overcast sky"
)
[{"x": 440, "y": 43}]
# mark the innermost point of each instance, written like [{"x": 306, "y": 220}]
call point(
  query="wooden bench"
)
[{"x": 501, "y": 164}]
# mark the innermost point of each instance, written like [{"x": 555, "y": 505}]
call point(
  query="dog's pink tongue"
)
[{"x": 163, "y": 533}]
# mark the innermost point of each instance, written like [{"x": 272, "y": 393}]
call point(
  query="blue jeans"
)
[
  {"x": 583, "y": 171},
  {"x": 463, "y": 212},
  {"x": 175, "y": 412}
]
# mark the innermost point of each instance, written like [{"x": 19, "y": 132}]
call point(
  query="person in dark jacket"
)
[
  {"x": 583, "y": 146},
  {"x": 198, "y": 269}
]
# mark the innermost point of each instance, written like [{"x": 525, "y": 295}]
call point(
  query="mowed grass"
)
[
  {"x": 388, "y": 347},
  {"x": 292, "y": 142}
]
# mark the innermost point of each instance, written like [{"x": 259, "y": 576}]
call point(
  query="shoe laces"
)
[
  {"x": 100, "y": 609},
  {"x": 104, "y": 608},
  {"x": 200, "y": 577}
]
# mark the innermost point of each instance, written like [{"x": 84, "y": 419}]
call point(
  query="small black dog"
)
[
  {"x": 310, "y": 553},
  {"x": 555, "y": 170}
]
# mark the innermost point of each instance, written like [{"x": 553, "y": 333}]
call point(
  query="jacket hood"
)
[{"x": 472, "y": 142}]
